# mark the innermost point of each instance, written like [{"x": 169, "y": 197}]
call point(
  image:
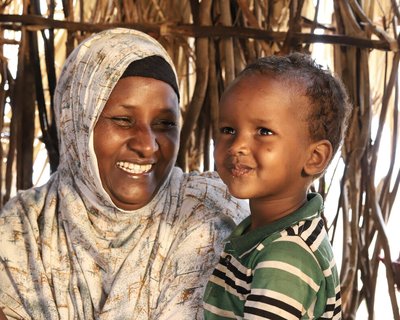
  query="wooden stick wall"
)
[{"x": 210, "y": 41}]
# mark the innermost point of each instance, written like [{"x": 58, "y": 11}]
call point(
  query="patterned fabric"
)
[
  {"x": 67, "y": 252},
  {"x": 285, "y": 270}
]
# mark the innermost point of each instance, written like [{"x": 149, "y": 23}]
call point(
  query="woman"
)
[{"x": 118, "y": 232}]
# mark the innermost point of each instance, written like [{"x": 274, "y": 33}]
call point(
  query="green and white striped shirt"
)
[{"x": 285, "y": 270}]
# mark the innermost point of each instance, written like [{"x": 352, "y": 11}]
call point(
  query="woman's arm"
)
[{"x": 194, "y": 256}]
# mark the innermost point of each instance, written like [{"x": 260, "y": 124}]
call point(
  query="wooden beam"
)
[{"x": 35, "y": 22}]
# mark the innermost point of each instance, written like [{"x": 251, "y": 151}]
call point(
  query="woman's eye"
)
[
  {"x": 122, "y": 121},
  {"x": 166, "y": 124},
  {"x": 227, "y": 130},
  {"x": 264, "y": 132}
]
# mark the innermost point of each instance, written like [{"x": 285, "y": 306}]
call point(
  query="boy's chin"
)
[{"x": 239, "y": 194}]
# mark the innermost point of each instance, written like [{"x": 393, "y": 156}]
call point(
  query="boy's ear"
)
[{"x": 319, "y": 157}]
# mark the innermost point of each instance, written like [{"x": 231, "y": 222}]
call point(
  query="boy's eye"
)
[
  {"x": 227, "y": 130},
  {"x": 264, "y": 132}
]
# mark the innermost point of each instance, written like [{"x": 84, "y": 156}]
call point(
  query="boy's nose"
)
[{"x": 239, "y": 146}]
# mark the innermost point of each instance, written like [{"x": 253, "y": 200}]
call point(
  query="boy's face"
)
[{"x": 263, "y": 142}]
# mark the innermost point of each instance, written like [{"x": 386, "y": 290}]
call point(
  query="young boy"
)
[{"x": 280, "y": 121}]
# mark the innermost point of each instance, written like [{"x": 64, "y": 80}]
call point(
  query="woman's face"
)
[{"x": 136, "y": 140}]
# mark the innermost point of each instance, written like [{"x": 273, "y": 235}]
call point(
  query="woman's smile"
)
[{"x": 134, "y": 168}]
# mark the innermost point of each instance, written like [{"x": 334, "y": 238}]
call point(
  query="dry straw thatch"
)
[{"x": 210, "y": 41}]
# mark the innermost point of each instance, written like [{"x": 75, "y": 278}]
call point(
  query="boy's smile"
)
[
  {"x": 238, "y": 168},
  {"x": 263, "y": 141}
]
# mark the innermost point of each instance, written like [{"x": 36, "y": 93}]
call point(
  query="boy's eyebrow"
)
[{"x": 259, "y": 120}]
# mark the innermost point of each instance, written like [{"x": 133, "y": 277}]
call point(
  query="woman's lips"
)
[{"x": 134, "y": 168}]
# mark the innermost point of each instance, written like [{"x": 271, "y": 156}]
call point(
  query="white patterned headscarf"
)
[
  {"x": 67, "y": 252},
  {"x": 87, "y": 80},
  {"x": 85, "y": 84}
]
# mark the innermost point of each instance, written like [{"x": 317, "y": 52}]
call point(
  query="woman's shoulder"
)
[
  {"x": 206, "y": 178},
  {"x": 27, "y": 202},
  {"x": 206, "y": 186},
  {"x": 208, "y": 191}
]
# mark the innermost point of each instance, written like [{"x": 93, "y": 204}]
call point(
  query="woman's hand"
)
[{"x": 2, "y": 315}]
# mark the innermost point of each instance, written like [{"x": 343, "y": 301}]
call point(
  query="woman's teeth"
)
[{"x": 134, "y": 168}]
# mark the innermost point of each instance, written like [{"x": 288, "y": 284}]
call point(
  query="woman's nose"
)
[{"x": 143, "y": 140}]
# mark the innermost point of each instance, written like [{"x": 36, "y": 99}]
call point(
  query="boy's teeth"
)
[{"x": 133, "y": 167}]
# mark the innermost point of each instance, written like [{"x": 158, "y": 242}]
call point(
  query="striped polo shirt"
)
[{"x": 284, "y": 270}]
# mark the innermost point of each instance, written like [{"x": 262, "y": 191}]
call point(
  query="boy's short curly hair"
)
[{"x": 329, "y": 102}]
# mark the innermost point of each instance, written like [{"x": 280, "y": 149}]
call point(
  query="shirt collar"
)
[{"x": 242, "y": 242}]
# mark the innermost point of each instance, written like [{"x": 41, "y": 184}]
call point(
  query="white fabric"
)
[{"x": 67, "y": 252}]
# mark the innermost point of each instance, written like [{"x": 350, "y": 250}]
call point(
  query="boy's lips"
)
[{"x": 238, "y": 170}]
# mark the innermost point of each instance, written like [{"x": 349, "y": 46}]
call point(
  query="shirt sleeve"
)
[{"x": 286, "y": 280}]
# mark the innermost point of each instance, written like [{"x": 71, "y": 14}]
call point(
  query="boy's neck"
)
[{"x": 266, "y": 211}]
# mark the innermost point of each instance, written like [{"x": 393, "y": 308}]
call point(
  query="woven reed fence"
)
[{"x": 210, "y": 42}]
